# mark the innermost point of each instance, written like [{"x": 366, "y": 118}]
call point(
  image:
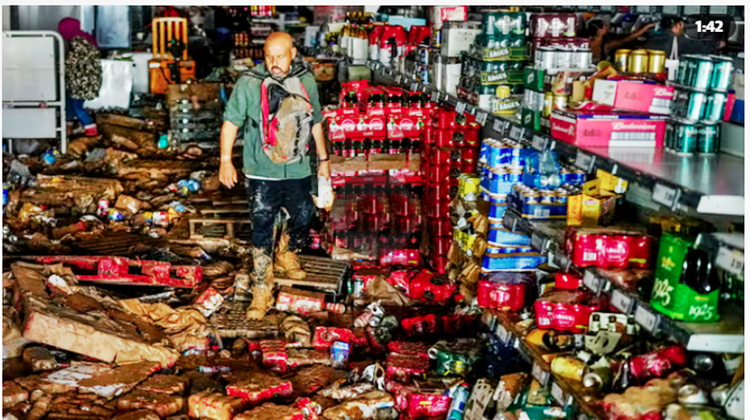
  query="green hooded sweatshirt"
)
[{"x": 243, "y": 109}]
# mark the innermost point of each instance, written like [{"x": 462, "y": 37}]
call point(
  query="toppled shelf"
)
[{"x": 726, "y": 336}]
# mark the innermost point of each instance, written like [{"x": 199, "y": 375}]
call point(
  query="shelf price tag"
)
[
  {"x": 498, "y": 126},
  {"x": 732, "y": 261},
  {"x": 516, "y": 133},
  {"x": 645, "y": 318},
  {"x": 436, "y": 96},
  {"x": 538, "y": 142},
  {"x": 537, "y": 242},
  {"x": 414, "y": 86},
  {"x": 584, "y": 161},
  {"x": 664, "y": 195},
  {"x": 460, "y": 107},
  {"x": 591, "y": 281},
  {"x": 621, "y": 301},
  {"x": 558, "y": 394},
  {"x": 481, "y": 117},
  {"x": 541, "y": 375},
  {"x": 398, "y": 78}
]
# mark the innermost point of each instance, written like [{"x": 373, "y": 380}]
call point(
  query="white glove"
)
[{"x": 325, "y": 194}]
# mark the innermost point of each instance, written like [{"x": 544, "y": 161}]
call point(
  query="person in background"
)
[
  {"x": 601, "y": 45},
  {"x": 676, "y": 32},
  {"x": 83, "y": 73}
]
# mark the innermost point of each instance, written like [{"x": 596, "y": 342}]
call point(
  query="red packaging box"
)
[
  {"x": 633, "y": 96},
  {"x": 356, "y": 126},
  {"x": 401, "y": 257},
  {"x": 439, "y": 264},
  {"x": 457, "y": 136},
  {"x": 439, "y": 209},
  {"x": 409, "y": 348},
  {"x": 325, "y": 337},
  {"x": 405, "y": 126},
  {"x": 453, "y": 13},
  {"x": 273, "y": 411},
  {"x": 299, "y": 301},
  {"x": 498, "y": 295},
  {"x": 610, "y": 249},
  {"x": 564, "y": 310},
  {"x": 448, "y": 118},
  {"x": 608, "y": 129},
  {"x": 441, "y": 246},
  {"x": 422, "y": 400}
]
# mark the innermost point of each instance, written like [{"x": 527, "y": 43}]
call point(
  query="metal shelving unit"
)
[
  {"x": 726, "y": 336},
  {"x": 704, "y": 184}
]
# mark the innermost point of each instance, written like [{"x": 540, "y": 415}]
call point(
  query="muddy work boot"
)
[
  {"x": 287, "y": 262},
  {"x": 262, "y": 279}
]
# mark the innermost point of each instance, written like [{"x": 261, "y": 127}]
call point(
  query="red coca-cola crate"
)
[
  {"x": 356, "y": 126},
  {"x": 409, "y": 348},
  {"x": 565, "y": 310},
  {"x": 401, "y": 257},
  {"x": 447, "y": 118},
  {"x": 325, "y": 337},
  {"x": 406, "y": 368},
  {"x": 405, "y": 126},
  {"x": 437, "y": 227},
  {"x": 419, "y": 401},
  {"x": 460, "y": 136},
  {"x": 439, "y": 264},
  {"x": 441, "y": 245}
]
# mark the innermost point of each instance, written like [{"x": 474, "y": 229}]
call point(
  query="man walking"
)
[{"x": 278, "y": 106}]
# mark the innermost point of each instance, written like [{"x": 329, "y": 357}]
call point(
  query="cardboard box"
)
[
  {"x": 633, "y": 96},
  {"x": 608, "y": 129},
  {"x": 594, "y": 207},
  {"x": 356, "y": 126},
  {"x": 457, "y": 40}
]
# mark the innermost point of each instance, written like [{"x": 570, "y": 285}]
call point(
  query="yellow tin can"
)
[
  {"x": 656, "y": 59},
  {"x": 568, "y": 367},
  {"x": 621, "y": 60},
  {"x": 638, "y": 62}
]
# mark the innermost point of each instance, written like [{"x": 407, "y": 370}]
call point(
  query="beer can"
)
[
  {"x": 339, "y": 354},
  {"x": 580, "y": 59},
  {"x": 702, "y": 75},
  {"x": 568, "y": 367},
  {"x": 560, "y": 101},
  {"x": 721, "y": 77},
  {"x": 708, "y": 139},
  {"x": 695, "y": 106},
  {"x": 638, "y": 62},
  {"x": 546, "y": 58},
  {"x": 685, "y": 137},
  {"x": 715, "y": 103},
  {"x": 103, "y": 206},
  {"x": 621, "y": 60},
  {"x": 669, "y": 136},
  {"x": 656, "y": 59},
  {"x": 502, "y": 91},
  {"x": 562, "y": 197},
  {"x": 563, "y": 59},
  {"x": 458, "y": 405},
  {"x": 548, "y": 104}
]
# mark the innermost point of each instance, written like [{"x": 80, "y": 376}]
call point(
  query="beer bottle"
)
[
  {"x": 623, "y": 378},
  {"x": 698, "y": 272}
]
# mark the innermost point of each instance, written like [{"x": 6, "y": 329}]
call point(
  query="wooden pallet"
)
[
  {"x": 231, "y": 226},
  {"x": 323, "y": 274},
  {"x": 230, "y": 321}
]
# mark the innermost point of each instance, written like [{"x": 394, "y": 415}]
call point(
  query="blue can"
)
[
  {"x": 339, "y": 354},
  {"x": 484, "y": 151},
  {"x": 116, "y": 215},
  {"x": 458, "y": 405}
]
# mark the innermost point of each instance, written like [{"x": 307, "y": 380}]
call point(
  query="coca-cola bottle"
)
[{"x": 623, "y": 377}]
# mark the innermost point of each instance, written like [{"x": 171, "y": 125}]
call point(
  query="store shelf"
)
[
  {"x": 565, "y": 392},
  {"x": 705, "y": 184},
  {"x": 726, "y": 336}
]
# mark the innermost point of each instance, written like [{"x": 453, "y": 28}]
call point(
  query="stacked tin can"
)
[
  {"x": 501, "y": 165},
  {"x": 451, "y": 146},
  {"x": 699, "y": 104},
  {"x": 492, "y": 71},
  {"x": 560, "y": 58}
]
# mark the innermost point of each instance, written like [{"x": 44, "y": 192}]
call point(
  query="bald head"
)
[{"x": 279, "y": 51}]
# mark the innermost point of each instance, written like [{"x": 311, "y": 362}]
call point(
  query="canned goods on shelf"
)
[
  {"x": 638, "y": 62},
  {"x": 721, "y": 77},
  {"x": 621, "y": 60},
  {"x": 708, "y": 139},
  {"x": 581, "y": 59},
  {"x": 715, "y": 105},
  {"x": 685, "y": 136},
  {"x": 656, "y": 59}
]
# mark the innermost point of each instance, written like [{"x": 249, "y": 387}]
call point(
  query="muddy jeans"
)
[{"x": 267, "y": 198}]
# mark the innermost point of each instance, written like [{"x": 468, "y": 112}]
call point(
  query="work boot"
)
[
  {"x": 287, "y": 261},
  {"x": 262, "y": 278}
]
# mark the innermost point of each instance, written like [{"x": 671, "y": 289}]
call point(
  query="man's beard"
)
[{"x": 281, "y": 76}]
